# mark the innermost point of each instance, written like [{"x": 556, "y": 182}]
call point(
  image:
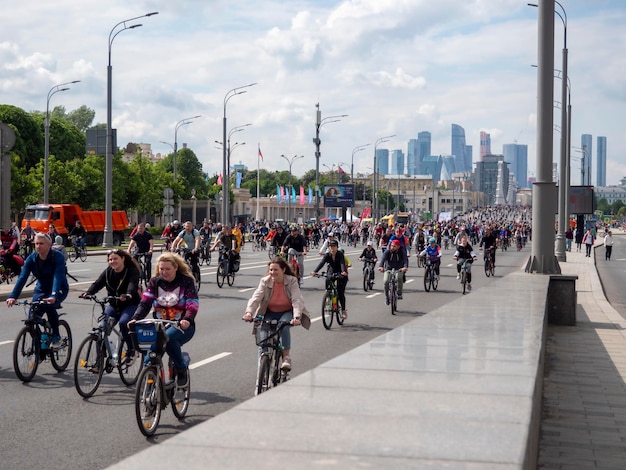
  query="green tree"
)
[
  {"x": 28, "y": 134},
  {"x": 150, "y": 184},
  {"x": 82, "y": 117}
]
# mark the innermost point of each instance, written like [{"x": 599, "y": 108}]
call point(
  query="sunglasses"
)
[{"x": 114, "y": 251}]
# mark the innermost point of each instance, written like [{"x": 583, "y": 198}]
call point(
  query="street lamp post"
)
[
  {"x": 226, "y": 168},
  {"x": 319, "y": 122},
  {"x": 179, "y": 124},
  {"x": 46, "y": 171},
  {"x": 375, "y": 182},
  {"x": 355, "y": 150},
  {"x": 107, "y": 240},
  {"x": 290, "y": 162}
]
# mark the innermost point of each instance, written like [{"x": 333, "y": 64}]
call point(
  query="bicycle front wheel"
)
[
  {"x": 327, "y": 311},
  {"x": 83, "y": 255},
  {"x": 72, "y": 254},
  {"x": 366, "y": 279},
  {"x": 128, "y": 367},
  {"x": 221, "y": 274},
  {"x": 263, "y": 374},
  {"x": 230, "y": 279},
  {"x": 196, "y": 275},
  {"x": 89, "y": 366},
  {"x": 427, "y": 280},
  {"x": 487, "y": 268},
  {"x": 180, "y": 399},
  {"x": 393, "y": 297},
  {"x": 26, "y": 354},
  {"x": 60, "y": 357},
  {"x": 148, "y": 401}
]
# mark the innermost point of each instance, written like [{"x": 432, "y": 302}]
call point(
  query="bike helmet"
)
[
  {"x": 292, "y": 252},
  {"x": 432, "y": 240},
  {"x": 176, "y": 222}
]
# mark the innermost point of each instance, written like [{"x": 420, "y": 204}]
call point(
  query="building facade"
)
[
  {"x": 601, "y": 161},
  {"x": 516, "y": 156},
  {"x": 586, "y": 143}
]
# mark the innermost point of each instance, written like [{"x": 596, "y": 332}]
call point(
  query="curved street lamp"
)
[
  {"x": 46, "y": 172},
  {"x": 226, "y": 169},
  {"x": 290, "y": 161},
  {"x": 179, "y": 124},
  {"x": 355, "y": 150},
  {"x": 108, "y": 234},
  {"x": 375, "y": 181}
]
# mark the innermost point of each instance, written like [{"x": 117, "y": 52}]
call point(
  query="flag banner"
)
[
  {"x": 238, "y": 180},
  {"x": 278, "y": 194},
  {"x": 293, "y": 195},
  {"x": 301, "y": 196},
  {"x": 283, "y": 194},
  {"x": 340, "y": 171},
  {"x": 310, "y": 201},
  {"x": 260, "y": 153},
  {"x": 219, "y": 179}
]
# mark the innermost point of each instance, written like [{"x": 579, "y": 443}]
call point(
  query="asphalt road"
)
[
  {"x": 46, "y": 423},
  {"x": 613, "y": 273}
]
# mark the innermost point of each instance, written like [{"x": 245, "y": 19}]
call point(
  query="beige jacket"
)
[{"x": 257, "y": 305}]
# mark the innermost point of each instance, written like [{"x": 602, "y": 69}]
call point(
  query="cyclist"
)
[
  {"x": 28, "y": 235},
  {"x": 172, "y": 293},
  {"x": 144, "y": 242},
  {"x": 229, "y": 241},
  {"x": 394, "y": 258},
  {"x": 325, "y": 248},
  {"x": 369, "y": 255},
  {"x": 121, "y": 279},
  {"x": 239, "y": 236},
  {"x": 433, "y": 251},
  {"x": 296, "y": 241},
  {"x": 489, "y": 242},
  {"x": 59, "y": 246},
  {"x": 10, "y": 246},
  {"x": 464, "y": 251},
  {"x": 191, "y": 237},
  {"x": 171, "y": 231},
  {"x": 278, "y": 297},
  {"x": 336, "y": 264},
  {"x": 80, "y": 233},
  {"x": 48, "y": 266},
  {"x": 383, "y": 243}
]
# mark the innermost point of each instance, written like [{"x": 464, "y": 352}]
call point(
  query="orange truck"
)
[{"x": 64, "y": 217}]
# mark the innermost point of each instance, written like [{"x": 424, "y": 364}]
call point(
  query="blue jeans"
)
[
  {"x": 49, "y": 309},
  {"x": 176, "y": 339},
  {"x": 285, "y": 334},
  {"x": 122, "y": 318}
]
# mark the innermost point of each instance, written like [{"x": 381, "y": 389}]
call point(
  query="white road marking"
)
[
  {"x": 195, "y": 365},
  {"x": 2, "y": 343}
]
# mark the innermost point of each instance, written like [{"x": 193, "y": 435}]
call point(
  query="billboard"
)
[
  {"x": 339, "y": 195},
  {"x": 580, "y": 200}
]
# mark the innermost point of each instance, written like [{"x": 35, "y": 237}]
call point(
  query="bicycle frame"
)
[{"x": 269, "y": 373}]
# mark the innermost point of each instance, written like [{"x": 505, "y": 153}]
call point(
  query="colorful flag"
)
[
  {"x": 283, "y": 194},
  {"x": 301, "y": 196},
  {"x": 340, "y": 171},
  {"x": 310, "y": 201},
  {"x": 238, "y": 179},
  {"x": 260, "y": 154},
  {"x": 219, "y": 179},
  {"x": 278, "y": 194},
  {"x": 293, "y": 195}
]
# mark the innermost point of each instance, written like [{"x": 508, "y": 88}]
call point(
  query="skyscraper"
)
[
  {"x": 601, "y": 165},
  {"x": 412, "y": 158},
  {"x": 586, "y": 142},
  {"x": 423, "y": 150},
  {"x": 485, "y": 145},
  {"x": 516, "y": 156},
  {"x": 382, "y": 161},
  {"x": 459, "y": 149},
  {"x": 397, "y": 162}
]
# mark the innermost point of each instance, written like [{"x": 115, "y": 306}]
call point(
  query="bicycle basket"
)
[
  {"x": 264, "y": 334},
  {"x": 147, "y": 337}
]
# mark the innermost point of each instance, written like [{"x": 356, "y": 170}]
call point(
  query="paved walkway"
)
[{"x": 584, "y": 406}]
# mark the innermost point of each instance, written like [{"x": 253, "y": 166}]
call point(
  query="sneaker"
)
[
  {"x": 130, "y": 357},
  {"x": 437, "y": 277},
  {"x": 469, "y": 287},
  {"x": 387, "y": 301},
  {"x": 286, "y": 365},
  {"x": 56, "y": 342},
  {"x": 399, "y": 295},
  {"x": 458, "y": 277},
  {"x": 344, "y": 314},
  {"x": 181, "y": 378}
]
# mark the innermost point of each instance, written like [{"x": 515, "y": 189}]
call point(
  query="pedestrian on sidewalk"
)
[
  {"x": 608, "y": 245},
  {"x": 588, "y": 240},
  {"x": 579, "y": 239},
  {"x": 569, "y": 237}
]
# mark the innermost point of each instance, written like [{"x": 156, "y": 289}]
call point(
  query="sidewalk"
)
[{"x": 583, "y": 421}]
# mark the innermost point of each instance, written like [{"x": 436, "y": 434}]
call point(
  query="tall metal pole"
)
[
  {"x": 355, "y": 150},
  {"x": 107, "y": 240},
  {"x": 46, "y": 171},
  {"x": 290, "y": 162},
  {"x": 375, "y": 182},
  {"x": 563, "y": 196},
  {"x": 225, "y": 157},
  {"x": 542, "y": 259},
  {"x": 179, "y": 124}
]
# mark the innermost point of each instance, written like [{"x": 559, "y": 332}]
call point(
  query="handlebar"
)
[
  {"x": 103, "y": 300},
  {"x": 329, "y": 276}
]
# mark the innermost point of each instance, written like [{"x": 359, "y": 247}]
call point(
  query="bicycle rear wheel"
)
[
  {"x": 180, "y": 399},
  {"x": 128, "y": 367},
  {"x": 148, "y": 401},
  {"x": 464, "y": 279},
  {"x": 72, "y": 254},
  {"x": 230, "y": 279},
  {"x": 263, "y": 375},
  {"x": 82, "y": 253},
  {"x": 196, "y": 275},
  {"x": 327, "y": 311},
  {"x": 26, "y": 351},
  {"x": 89, "y": 366},
  {"x": 60, "y": 357}
]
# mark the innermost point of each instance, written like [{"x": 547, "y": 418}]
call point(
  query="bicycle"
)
[
  {"x": 273, "y": 251},
  {"x": 33, "y": 343},
  {"x": 155, "y": 389},
  {"x": 186, "y": 254},
  {"x": 76, "y": 251},
  {"x": 420, "y": 260},
  {"x": 466, "y": 266},
  {"x": 224, "y": 269},
  {"x": 368, "y": 274},
  {"x": 430, "y": 277},
  {"x": 267, "y": 335},
  {"x": 205, "y": 253},
  {"x": 490, "y": 269},
  {"x": 144, "y": 273},
  {"x": 392, "y": 289},
  {"x": 330, "y": 301},
  {"x": 98, "y": 354}
]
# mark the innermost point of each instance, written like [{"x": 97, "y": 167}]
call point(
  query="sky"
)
[{"x": 394, "y": 67}]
